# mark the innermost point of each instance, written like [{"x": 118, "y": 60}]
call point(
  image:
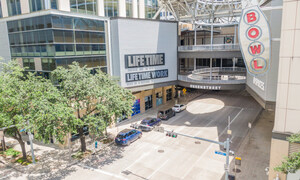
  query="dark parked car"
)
[
  {"x": 149, "y": 122},
  {"x": 127, "y": 136},
  {"x": 165, "y": 114}
]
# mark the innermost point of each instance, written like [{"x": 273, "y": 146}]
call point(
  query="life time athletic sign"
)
[
  {"x": 254, "y": 39},
  {"x": 144, "y": 60},
  {"x": 146, "y": 75}
]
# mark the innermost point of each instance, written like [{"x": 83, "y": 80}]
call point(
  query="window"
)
[
  {"x": 36, "y": 5},
  {"x": 151, "y": 7},
  {"x": 14, "y": 7},
  {"x": 29, "y": 64},
  {"x": 53, "y": 4},
  {"x": 169, "y": 94},
  {"x": 84, "y": 6},
  {"x": 111, "y": 8},
  {"x": 128, "y": 8},
  {"x": 148, "y": 102},
  {"x": 1, "y": 11},
  {"x": 48, "y": 64}
]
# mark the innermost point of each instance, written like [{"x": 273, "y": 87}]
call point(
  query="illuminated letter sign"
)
[{"x": 254, "y": 39}]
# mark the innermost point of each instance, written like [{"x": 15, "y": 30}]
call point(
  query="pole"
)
[
  {"x": 227, "y": 159},
  {"x": 31, "y": 145}
]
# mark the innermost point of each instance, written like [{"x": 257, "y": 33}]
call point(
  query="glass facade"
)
[
  {"x": 59, "y": 40},
  {"x": 84, "y": 6},
  {"x": 1, "y": 10},
  {"x": 129, "y": 8},
  {"x": 36, "y": 5},
  {"x": 111, "y": 8},
  {"x": 151, "y": 7},
  {"x": 13, "y": 7}
]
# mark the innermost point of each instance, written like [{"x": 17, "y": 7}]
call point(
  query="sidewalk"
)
[{"x": 255, "y": 149}]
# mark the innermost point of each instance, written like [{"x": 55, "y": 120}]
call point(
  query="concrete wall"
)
[
  {"x": 4, "y": 42},
  {"x": 131, "y": 36},
  {"x": 269, "y": 80}
]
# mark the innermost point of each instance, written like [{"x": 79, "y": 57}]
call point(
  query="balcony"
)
[
  {"x": 216, "y": 75},
  {"x": 214, "y": 47}
]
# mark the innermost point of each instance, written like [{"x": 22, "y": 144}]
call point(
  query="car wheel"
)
[{"x": 140, "y": 135}]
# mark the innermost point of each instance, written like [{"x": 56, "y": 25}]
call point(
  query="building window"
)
[
  {"x": 128, "y": 8},
  {"x": 111, "y": 8},
  {"x": 84, "y": 6},
  {"x": 48, "y": 64},
  {"x": 29, "y": 64},
  {"x": 1, "y": 11},
  {"x": 136, "y": 108},
  {"x": 148, "y": 102},
  {"x": 159, "y": 99},
  {"x": 151, "y": 7},
  {"x": 14, "y": 7},
  {"x": 169, "y": 94},
  {"x": 36, "y": 5},
  {"x": 53, "y": 4}
]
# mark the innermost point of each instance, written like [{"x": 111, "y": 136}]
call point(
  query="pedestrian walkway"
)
[{"x": 255, "y": 149}]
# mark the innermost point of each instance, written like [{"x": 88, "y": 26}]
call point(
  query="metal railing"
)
[
  {"x": 220, "y": 79},
  {"x": 220, "y": 69},
  {"x": 209, "y": 47}
]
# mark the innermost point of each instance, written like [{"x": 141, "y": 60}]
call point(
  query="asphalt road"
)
[{"x": 158, "y": 157}]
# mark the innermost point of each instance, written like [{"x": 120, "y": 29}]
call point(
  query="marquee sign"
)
[{"x": 254, "y": 39}]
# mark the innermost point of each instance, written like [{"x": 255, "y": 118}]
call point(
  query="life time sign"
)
[
  {"x": 146, "y": 75},
  {"x": 254, "y": 39},
  {"x": 144, "y": 60}
]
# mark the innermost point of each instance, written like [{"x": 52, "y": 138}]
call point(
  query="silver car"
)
[{"x": 179, "y": 107}]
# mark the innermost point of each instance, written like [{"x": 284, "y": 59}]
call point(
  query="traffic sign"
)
[
  {"x": 184, "y": 91},
  {"x": 238, "y": 161},
  {"x": 220, "y": 153}
]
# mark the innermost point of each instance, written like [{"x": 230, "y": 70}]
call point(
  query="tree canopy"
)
[{"x": 96, "y": 99}]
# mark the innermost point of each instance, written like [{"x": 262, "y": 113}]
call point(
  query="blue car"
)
[
  {"x": 150, "y": 122},
  {"x": 127, "y": 136}
]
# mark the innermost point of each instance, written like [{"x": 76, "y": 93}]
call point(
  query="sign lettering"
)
[
  {"x": 139, "y": 76},
  {"x": 144, "y": 60}
]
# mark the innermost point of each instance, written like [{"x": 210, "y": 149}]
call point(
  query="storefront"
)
[{"x": 148, "y": 102}]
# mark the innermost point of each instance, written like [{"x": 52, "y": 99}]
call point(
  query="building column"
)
[
  {"x": 142, "y": 102},
  {"x": 122, "y": 8},
  {"x": 153, "y": 98},
  {"x": 195, "y": 64},
  {"x": 100, "y": 8},
  {"x": 142, "y": 9},
  {"x": 4, "y": 8},
  {"x": 164, "y": 95},
  {"x": 25, "y": 7},
  {"x": 233, "y": 62},
  {"x": 38, "y": 64},
  {"x": 221, "y": 62},
  {"x": 210, "y": 65},
  {"x": 63, "y": 5},
  {"x": 135, "y": 9}
]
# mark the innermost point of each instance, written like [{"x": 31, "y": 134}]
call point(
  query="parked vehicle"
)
[
  {"x": 149, "y": 122},
  {"x": 165, "y": 114},
  {"x": 127, "y": 136},
  {"x": 179, "y": 107}
]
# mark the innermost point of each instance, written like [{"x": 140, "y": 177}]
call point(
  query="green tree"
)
[
  {"x": 32, "y": 103},
  {"x": 90, "y": 94}
]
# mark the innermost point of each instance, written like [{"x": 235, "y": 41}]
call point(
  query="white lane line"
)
[
  {"x": 157, "y": 169},
  {"x": 103, "y": 172},
  {"x": 209, "y": 147}
]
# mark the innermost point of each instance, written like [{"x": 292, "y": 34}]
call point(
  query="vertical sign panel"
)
[{"x": 254, "y": 39}]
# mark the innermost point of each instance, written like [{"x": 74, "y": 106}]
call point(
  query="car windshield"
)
[
  {"x": 121, "y": 136},
  {"x": 144, "y": 122},
  {"x": 176, "y": 106}
]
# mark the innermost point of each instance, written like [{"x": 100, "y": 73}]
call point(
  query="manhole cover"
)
[
  {"x": 197, "y": 142},
  {"x": 160, "y": 151},
  {"x": 126, "y": 172},
  {"x": 236, "y": 170}
]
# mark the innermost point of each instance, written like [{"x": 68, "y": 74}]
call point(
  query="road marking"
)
[
  {"x": 209, "y": 147},
  {"x": 157, "y": 169},
  {"x": 103, "y": 172}
]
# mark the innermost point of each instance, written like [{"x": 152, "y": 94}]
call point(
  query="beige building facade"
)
[{"x": 287, "y": 113}]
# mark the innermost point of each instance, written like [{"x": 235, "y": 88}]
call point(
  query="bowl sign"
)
[{"x": 254, "y": 39}]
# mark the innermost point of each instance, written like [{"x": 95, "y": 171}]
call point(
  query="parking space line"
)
[
  {"x": 157, "y": 169},
  {"x": 103, "y": 172}
]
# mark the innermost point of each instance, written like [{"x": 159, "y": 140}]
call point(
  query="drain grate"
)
[
  {"x": 197, "y": 142},
  {"x": 161, "y": 151}
]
